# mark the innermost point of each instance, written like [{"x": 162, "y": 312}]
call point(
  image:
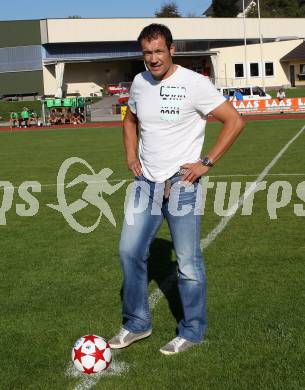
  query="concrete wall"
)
[
  {"x": 128, "y": 29},
  {"x": 272, "y": 52}
]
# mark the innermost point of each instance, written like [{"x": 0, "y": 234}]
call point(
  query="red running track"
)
[{"x": 112, "y": 124}]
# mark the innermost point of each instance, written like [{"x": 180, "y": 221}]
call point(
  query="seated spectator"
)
[
  {"x": 76, "y": 118},
  {"x": 13, "y": 119},
  {"x": 68, "y": 119},
  {"x": 62, "y": 116},
  {"x": 58, "y": 116},
  {"x": 52, "y": 117},
  {"x": 81, "y": 115},
  {"x": 66, "y": 116},
  {"x": 280, "y": 94},
  {"x": 33, "y": 118}
]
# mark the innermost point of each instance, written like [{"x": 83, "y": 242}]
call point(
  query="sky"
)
[{"x": 41, "y": 9}]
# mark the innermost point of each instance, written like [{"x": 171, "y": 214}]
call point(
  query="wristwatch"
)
[{"x": 207, "y": 162}]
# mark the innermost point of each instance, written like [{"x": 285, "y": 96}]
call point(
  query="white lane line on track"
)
[{"x": 157, "y": 294}]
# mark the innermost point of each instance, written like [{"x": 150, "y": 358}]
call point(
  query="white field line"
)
[
  {"x": 157, "y": 294},
  {"x": 232, "y": 211},
  {"x": 88, "y": 381},
  {"x": 131, "y": 180}
]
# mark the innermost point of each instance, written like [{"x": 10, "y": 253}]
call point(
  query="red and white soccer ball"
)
[{"x": 91, "y": 354}]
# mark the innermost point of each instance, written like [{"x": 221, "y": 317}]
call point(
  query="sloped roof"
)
[
  {"x": 210, "y": 12},
  {"x": 297, "y": 53}
]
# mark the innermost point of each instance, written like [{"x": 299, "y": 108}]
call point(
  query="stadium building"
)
[{"x": 80, "y": 56}]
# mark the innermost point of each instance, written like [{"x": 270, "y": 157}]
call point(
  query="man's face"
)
[{"x": 158, "y": 58}]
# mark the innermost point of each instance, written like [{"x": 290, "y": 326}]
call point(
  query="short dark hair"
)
[{"x": 155, "y": 30}]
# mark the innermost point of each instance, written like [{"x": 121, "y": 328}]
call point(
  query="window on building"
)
[
  {"x": 302, "y": 68},
  {"x": 254, "y": 69},
  {"x": 269, "y": 69},
  {"x": 239, "y": 70},
  {"x": 245, "y": 91}
]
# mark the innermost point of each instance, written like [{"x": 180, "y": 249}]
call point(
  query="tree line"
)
[{"x": 229, "y": 9}]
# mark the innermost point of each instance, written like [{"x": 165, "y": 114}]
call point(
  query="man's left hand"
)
[{"x": 194, "y": 171}]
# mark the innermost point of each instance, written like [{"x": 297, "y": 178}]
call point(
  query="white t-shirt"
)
[
  {"x": 172, "y": 116},
  {"x": 281, "y": 95}
]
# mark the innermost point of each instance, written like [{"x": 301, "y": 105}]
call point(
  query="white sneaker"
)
[
  {"x": 178, "y": 344},
  {"x": 125, "y": 338}
]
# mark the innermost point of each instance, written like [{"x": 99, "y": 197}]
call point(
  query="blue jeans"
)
[{"x": 144, "y": 214}]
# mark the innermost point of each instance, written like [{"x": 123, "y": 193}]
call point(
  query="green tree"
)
[
  {"x": 279, "y": 9},
  {"x": 225, "y": 8},
  {"x": 168, "y": 10}
]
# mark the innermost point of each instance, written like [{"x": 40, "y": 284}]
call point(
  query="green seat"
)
[
  {"x": 50, "y": 103},
  {"x": 67, "y": 102}
]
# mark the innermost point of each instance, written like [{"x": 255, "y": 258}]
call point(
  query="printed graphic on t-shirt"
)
[{"x": 171, "y": 99}]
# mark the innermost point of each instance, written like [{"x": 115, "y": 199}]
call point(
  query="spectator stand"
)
[{"x": 72, "y": 111}]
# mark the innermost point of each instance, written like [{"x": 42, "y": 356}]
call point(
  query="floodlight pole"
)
[
  {"x": 245, "y": 43},
  {"x": 261, "y": 44}
]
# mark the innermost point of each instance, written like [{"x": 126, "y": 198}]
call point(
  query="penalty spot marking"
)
[{"x": 88, "y": 381}]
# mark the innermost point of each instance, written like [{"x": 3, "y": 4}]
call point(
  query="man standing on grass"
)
[
  {"x": 25, "y": 116},
  {"x": 170, "y": 105},
  {"x": 13, "y": 119}
]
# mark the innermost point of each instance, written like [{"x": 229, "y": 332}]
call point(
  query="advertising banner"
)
[{"x": 270, "y": 106}]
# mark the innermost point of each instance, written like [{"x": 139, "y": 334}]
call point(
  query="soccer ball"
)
[{"x": 91, "y": 354}]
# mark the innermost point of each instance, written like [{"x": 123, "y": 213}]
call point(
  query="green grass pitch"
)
[{"x": 57, "y": 285}]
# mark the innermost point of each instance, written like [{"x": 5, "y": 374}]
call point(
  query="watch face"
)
[{"x": 207, "y": 162}]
